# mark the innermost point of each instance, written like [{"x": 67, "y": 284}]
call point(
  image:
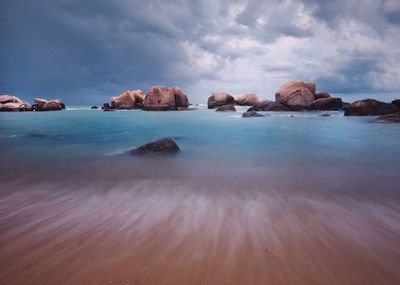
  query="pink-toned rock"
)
[
  {"x": 9, "y": 99},
  {"x": 369, "y": 107},
  {"x": 322, "y": 95},
  {"x": 162, "y": 98},
  {"x": 126, "y": 100},
  {"x": 60, "y": 102},
  {"x": 327, "y": 104},
  {"x": 249, "y": 99},
  {"x": 219, "y": 99},
  {"x": 296, "y": 94},
  {"x": 51, "y": 106},
  {"x": 39, "y": 102},
  {"x": 13, "y": 107}
]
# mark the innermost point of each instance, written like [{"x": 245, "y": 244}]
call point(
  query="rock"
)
[
  {"x": 51, "y": 106},
  {"x": 226, "y": 108},
  {"x": 321, "y": 95},
  {"x": 161, "y": 98},
  {"x": 94, "y": 108},
  {"x": 325, "y": 115},
  {"x": 164, "y": 145},
  {"x": 4, "y": 99},
  {"x": 345, "y": 104},
  {"x": 106, "y": 107},
  {"x": 39, "y": 102},
  {"x": 296, "y": 94},
  {"x": 250, "y": 114},
  {"x": 391, "y": 118},
  {"x": 396, "y": 103},
  {"x": 246, "y": 99},
  {"x": 127, "y": 100},
  {"x": 369, "y": 107},
  {"x": 60, "y": 102},
  {"x": 267, "y": 105},
  {"x": 325, "y": 104},
  {"x": 13, "y": 107},
  {"x": 219, "y": 99}
]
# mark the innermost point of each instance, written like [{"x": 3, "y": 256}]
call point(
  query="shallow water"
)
[{"x": 274, "y": 200}]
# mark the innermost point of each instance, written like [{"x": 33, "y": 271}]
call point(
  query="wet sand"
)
[{"x": 226, "y": 228}]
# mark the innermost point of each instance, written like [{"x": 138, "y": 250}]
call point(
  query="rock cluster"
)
[
  {"x": 369, "y": 107},
  {"x": 15, "y": 104}
]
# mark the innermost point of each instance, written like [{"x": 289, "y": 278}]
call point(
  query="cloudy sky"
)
[{"x": 85, "y": 51}]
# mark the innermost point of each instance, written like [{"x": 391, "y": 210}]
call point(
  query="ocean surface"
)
[{"x": 290, "y": 198}]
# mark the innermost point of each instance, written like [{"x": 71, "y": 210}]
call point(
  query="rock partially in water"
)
[
  {"x": 249, "y": 99},
  {"x": 164, "y": 145},
  {"x": 250, "y": 114},
  {"x": 390, "y": 118},
  {"x": 325, "y": 115},
  {"x": 226, "y": 108},
  {"x": 94, "y": 108},
  {"x": 268, "y": 105},
  {"x": 220, "y": 99},
  {"x": 162, "y": 98},
  {"x": 106, "y": 107},
  {"x": 296, "y": 94},
  {"x": 4, "y": 99},
  {"x": 327, "y": 104},
  {"x": 321, "y": 95},
  {"x": 52, "y": 105},
  {"x": 13, "y": 107},
  {"x": 128, "y": 100},
  {"x": 369, "y": 107},
  {"x": 396, "y": 103}
]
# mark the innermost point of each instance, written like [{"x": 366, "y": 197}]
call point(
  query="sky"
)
[{"x": 85, "y": 51}]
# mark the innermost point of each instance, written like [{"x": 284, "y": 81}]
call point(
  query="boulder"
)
[
  {"x": 246, "y": 99},
  {"x": 226, "y": 108},
  {"x": 106, "y": 107},
  {"x": 164, "y": 145},
  {"x": 250, "y": 114},
  {"x": 161, "y": 98},
  {"x": 396, "y": 103},
  {"x": 13, "y": 107},
  {"x": 94, "y": 108},
  {"x": 51, "y": 106},
  {"x": 391, "y": 118},
  {"x": 325, "y": 104},
  {"x": 296, "y": 94},
  {"x": 60, "y": 102},
  {"x": 127, "y": 100},
  {"x": 39, "y": 102},
  {"x": 267, "y": 105},
  {"x": 321, "y": 95},
  {"x": 4, "y": 99},
  {"x": 219, "y": 99},
  {"x": 369, "y": 107}
]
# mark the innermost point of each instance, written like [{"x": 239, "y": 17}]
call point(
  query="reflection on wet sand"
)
[{"x": 171, "y": 231}]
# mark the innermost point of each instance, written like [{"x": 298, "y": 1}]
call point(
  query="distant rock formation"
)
[
  {"x": 268, "y": 105},
  {"x": 327, "y": 104},
  {"x": 226, "y": 108},
  {"x": 219, "y": 99},
  {"x": 127, "y": 100},
  {"x": 164, "y": 145},
  {"x": 249, "y": 99},
  {"x": 162, "y": 98},
  {"x": 369, "y": 107},
  {"x": 10, "y": 103},
  {"x": 297, "y": 94}
]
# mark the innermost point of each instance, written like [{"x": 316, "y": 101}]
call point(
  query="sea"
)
[{"x": 289, "y": 198}]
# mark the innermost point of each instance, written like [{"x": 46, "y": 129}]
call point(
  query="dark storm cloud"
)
[{"x": 90, "y": 50}]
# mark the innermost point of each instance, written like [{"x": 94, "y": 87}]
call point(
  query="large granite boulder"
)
[
  {"x": 4, "y": 99},
  {"x": 219, "y": 99},
  {"x": 396, "y": 103},
  {"x": 268, "y": 105},
  {"x": 246, "y": 99},
  {"x": 164, "y": 145},
  {"x": 296, "y": 94},
  {"x": 325, "y": 104},
  {"x": 161, "y": 98},
  {"x": 321, "y": 95},
  {"x": 390, "y": 118},
  {"x": 51, "y": 106},
  {"x": 13, "y": 107},
  {"x": 226, "y": 108},
  {"x": 250, "y": 114},
  {"x": 369, "y": 107},
  {"x": 127, "y": 100},
  {"x": 39, "y": 103}
]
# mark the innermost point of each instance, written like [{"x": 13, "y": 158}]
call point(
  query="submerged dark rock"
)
[
  {"x": 164, "y": 145},
  {"x": 390, "y": 118},
  {"x": 106, "y": 107},
  {"x": 250, "y": 114},
  {"x": 94, "y": 107},
  {"x": 226, "y": 108},
  {"x": 369, "y": 107},
  {"x": 267, "y": 105}
]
